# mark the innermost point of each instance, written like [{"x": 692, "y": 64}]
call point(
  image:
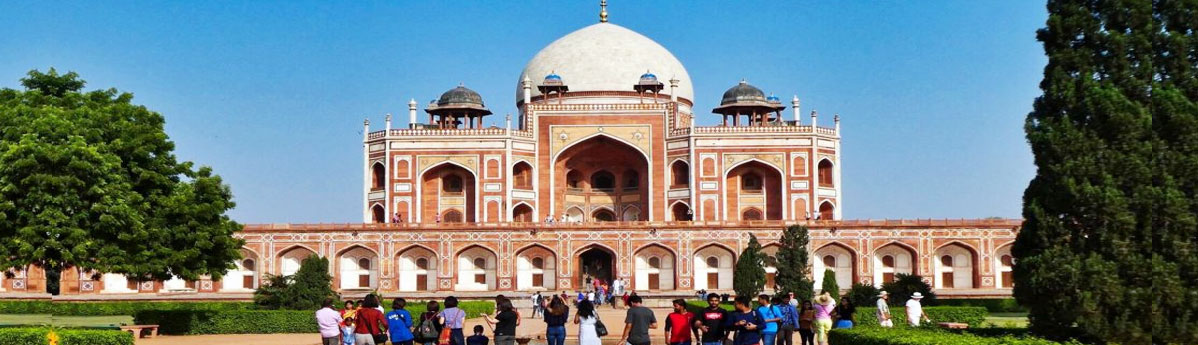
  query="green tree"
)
[
  {"x": 305, "y": 290},
  {"x": 1114, "y": 180},
  {"x": 862, "y": 295},
  {"x": 829, "y": 284},
  {"x": 905, "y": 285},
  {"x": 793, "y": 263},
  {"x": 89, "y": 180},
  {"x": 749, "y": 278}
]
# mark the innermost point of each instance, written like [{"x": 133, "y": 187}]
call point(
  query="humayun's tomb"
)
[{"x": 602, "y": 172}]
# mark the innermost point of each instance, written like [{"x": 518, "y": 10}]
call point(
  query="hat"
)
[
  {"x": 823, "y": 299},
  {"x": 883, "y": 293},
  {"x": 916, "y": 295}
]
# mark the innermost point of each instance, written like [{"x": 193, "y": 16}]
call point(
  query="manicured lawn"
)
[
  {"x": 64, "y": 321},
  {"x": 1010, "y": 320}
]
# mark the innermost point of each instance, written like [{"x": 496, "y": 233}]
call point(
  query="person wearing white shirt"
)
[
  {"x": 883, "y": 311},
  {"x": 915, "y": 310}
]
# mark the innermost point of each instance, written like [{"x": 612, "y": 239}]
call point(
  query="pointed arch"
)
[
  {"x": 523, "y": 212},
  {"x": 679, "y": 173},
  {"x": 522, "y": 175},
  {"x": 680, "y": 211},
  {"x": 955, "y": 266},
  {"x": 357, "y": 267},
  {"x": 631, "y": 213},
  {"x": 827, "y": 210},
  {"x": 825, "y": 169},
  {"x": 713, "y": 266},
  {"x": 765, "y": 189},
  {"x": 644, "y": 154},
  {"x": 378, "y": 176},
  {"x": 841, "y": 258},
  {"x": 288, "y": 260},
  {"x": 530, "y": 275},
  {"x": 414, "y": 275},
  {"x": 471, "y": 277},
  {"x": 654, "y": 267},
  {"x": 903, "y": 258}
]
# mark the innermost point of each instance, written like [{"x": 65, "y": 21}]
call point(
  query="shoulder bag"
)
[{"x": 600, "y": 328}]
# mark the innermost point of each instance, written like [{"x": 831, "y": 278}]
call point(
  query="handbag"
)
[
  {"x": 444, "y": 338},
  {"x": 600, "y": 328},
  {"x": 376, "y": 333}
]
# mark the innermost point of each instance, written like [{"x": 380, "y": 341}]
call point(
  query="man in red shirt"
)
[{"x": 680, "y": 325}]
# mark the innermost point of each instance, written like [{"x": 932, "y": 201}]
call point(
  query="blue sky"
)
[{"x": 272, "y": 94}]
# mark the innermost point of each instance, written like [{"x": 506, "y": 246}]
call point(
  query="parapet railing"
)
[
  {"x": 625, "y": 225},
  {"x": 439, "y": 132}
]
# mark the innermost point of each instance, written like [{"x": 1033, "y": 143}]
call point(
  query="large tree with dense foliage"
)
[
  {"x": 1107, "y": 248},
  {"x": 793, "y": 263},
  {"x": 305, "y": 290},
  {"x": 90, "y": 180},
  {"x": 749, "y": 276}
]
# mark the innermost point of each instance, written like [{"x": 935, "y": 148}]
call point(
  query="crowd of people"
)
[{"x": 770, "y": 321}]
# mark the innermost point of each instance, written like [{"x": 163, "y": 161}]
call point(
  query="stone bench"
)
[{"x": 136, "y": 330}]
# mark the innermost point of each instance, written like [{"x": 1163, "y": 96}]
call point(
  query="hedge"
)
[
  {"x": 993, "y": 305},
  {"x": 40, "y": 336},
  {"x": 111, "y": 308},
  {"x": 473, "y": 308},
  {"x": 260, "y": 321},
  {"x": 974, "y": 316},
  {"x": 924, "y": 336}
]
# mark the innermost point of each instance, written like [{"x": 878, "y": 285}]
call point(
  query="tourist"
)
[
  {"x": 581, "y": 297},
  {"x": 453, "y": 317},
  {"x": 591, "y": 296},
  {"x": 794, "y": 302},
  {"x": 548, "y": 219},
  {"x": 823, "y": 317},
  {"x": 790, "y": 320},
  {"x": 915, "y": 311},
  {"x": 586, "y": 318},
  {"x": 537, "y": 304},
  {"x": 555, "y": 321},
  {"x": 771, "y": 316},
  {"x": 399, "y": 323},
  {"x": 611, "y": 298},
  {"x": 329, "y": 322},
  {"x": 505, "y": 321},
  {"x": 637, "y": 323},
  {"x": 806, "y": 324},
  {"x": 380, "y": 306},
  {"x": 746, "y": 323},
  {"x": 625, "y": 298},
  {"x": 347, "y": 322},
  {"x": 370, "y": 322},
  {"x": 478, "y": 338},
  {"x": 680, "y": 325},
  {"x": 711, "y": 322},
  {"x": 844, "y": 313},
  {"x": 430, "y": 325},
  {"x": 883, "y": 311}
]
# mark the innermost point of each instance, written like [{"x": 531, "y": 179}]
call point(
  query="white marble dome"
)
[{"x": 605, "y": 57}]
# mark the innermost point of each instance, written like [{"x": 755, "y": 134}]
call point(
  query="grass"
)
[
  {"x": 1007, "y": 320},
  {"x": 10, "y": 320}
]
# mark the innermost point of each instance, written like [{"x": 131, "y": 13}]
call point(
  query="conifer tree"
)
[
  {"x": 1085, "y": 265},
  {"x": 793, "y": 263},
  {"x": 829, "y": 284},
  {"x": 749, "y": 277}
]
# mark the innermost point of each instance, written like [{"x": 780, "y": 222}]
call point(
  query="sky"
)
[{"x": 932, "y": 94}]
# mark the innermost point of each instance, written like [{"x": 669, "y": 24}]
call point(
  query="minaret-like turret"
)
[
  {"x": 387, "y": 123},
  {"x": 412, "y": 113},
  {"x": 794, "y": 107},
  {"x": 814, "y": 119}
]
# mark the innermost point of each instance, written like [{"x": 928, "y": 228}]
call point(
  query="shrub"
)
[
  {"x": 748, "y": 278},
  {"x": 829, "y": 284},
  {"x": 472, "y": 308},
  {"x": 904, "y": 285},
  {"x": 974, "y": 316},
  {"x": 228, "y": 321},
  {"x": 305, "y": 290},
  {"x": 696, "y": 306},
  {"x": 40, "y": 336},
  {"x": 863, "y": 294},
  {"x": 994, "y": 305},
  {"x": 111, "y": 308},
  {"x": 923, "y": 336}
]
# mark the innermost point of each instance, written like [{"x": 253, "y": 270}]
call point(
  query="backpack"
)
[{"x": 427, "y": 328}]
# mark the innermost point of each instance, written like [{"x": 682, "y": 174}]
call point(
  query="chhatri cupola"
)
[
  {"x": 456, "y": 107},
  {"x": 648, "y": 84},
  {"x": 749, "y": 101},
  {"x": 553, "y": 84}
]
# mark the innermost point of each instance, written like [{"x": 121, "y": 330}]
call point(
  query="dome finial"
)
[{"x": 603, "y": 11}]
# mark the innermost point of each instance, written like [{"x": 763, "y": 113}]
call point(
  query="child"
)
[
  {"x": 478, "y": 338},
  {"x": 347, "y": 324}
]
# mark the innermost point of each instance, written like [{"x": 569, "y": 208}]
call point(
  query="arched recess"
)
[
  {"x": 826, "y": 175},
  {"x": 955, "y": 266},
  {"x": 417, "y": 267},
  {"x": 838, "y": 257},
  {"x": 770, "y": 261},
  {"x": 681, "y": 212},
  {"x": 523, "y": 213},
  {"x": 493, "y": 211},
  {"x": 654, "y": 268},
  {"x": 445, "y": 187},
  {"x": 522, "y": 175},
  {"x": 476, "y": 269},
  {"x": 594, "y": 260},
  {"x": 378, "y": 214},
  {"x": 631, "y": 214},
  {"x": 713, "y": 267},
  {"x": 751, "y": 213},
  {"x": 680, "y": 176},
  {"x": 291, "y": 258},
  {"x": 378, "y": 176},
  {"x": 536, "y": 268},
  {"x": 574, "y": 214},
  {"x": 603, "y": 214},
  {"x": 357, "y": 268},
  {"x": 798, "y": 166},
  {"x": 754, "y": 183},
  {"x": 827, "y": 211},
  {"x": 893, "y": 259},
  {"x": 245, "y": 273},
  {"x": 1003, "y": 263},
  {"x": 601, "y": 161}
]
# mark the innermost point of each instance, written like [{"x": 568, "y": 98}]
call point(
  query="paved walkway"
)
[{"x": 530, "y": 327}]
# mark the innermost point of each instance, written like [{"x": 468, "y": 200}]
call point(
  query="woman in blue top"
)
[
  {"x": 771, "y": 315},
  {"x": 555, "y": 321},
  {"x": 399, "y": 323}
]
